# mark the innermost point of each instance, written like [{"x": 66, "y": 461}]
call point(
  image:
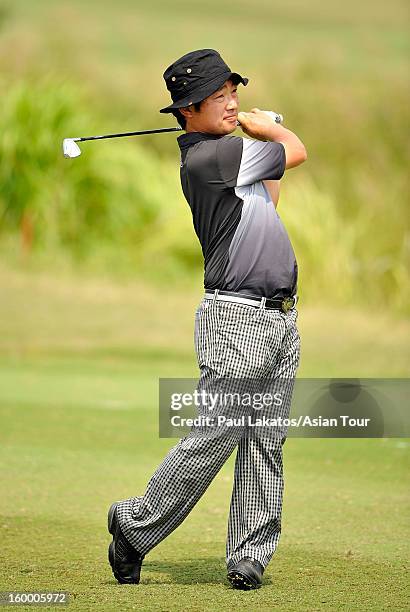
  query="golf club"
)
[{"x": 71, "y": 148}]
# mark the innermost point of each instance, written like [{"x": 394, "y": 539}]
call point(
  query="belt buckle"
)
[{"x": 288, "y": 303}]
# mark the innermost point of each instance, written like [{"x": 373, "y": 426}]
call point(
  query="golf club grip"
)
[
  {"x": 173, "y": 129},
  {"x": 277, "y": 117}
]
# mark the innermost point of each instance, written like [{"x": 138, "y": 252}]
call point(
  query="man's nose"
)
[{"x": 232, "y": 104}]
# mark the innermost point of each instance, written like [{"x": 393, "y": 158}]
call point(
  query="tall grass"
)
[
  {"x": 342, "y": 259},
  {"x": 120, "y": 208},
  {"x": 112, "y": 194},
  {"x": 339, "y": 76}
]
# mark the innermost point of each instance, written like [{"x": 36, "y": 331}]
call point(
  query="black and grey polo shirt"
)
[{"x": 245, "y": 246}]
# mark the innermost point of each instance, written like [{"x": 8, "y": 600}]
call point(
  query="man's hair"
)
[{"x": 180, "y": 117}]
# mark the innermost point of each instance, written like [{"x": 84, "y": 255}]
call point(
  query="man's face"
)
[{"x": 218, "y": 113}]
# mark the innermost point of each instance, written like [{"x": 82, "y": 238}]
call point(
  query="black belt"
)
[{"x": 284, "y": 304}]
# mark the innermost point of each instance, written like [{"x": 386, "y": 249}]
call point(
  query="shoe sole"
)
[{"x": 242, "y": 582}]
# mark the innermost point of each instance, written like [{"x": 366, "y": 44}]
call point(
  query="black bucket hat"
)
[{"x": 195, "y": 76}]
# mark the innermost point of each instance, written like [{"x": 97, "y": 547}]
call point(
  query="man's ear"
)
[{"x": 187, "y": 111}]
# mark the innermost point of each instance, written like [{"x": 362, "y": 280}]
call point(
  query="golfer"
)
[{"x": 245, "y": 325}]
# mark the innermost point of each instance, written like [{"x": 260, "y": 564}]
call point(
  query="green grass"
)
[
  {"x": 344, "y": 530},
  {"x": 79, "y": 365}
]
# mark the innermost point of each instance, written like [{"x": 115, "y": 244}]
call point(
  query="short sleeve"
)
[
  {"x": 261, "y": 160},
  {"x": 244, "y": 161},
  {"x": 229, "y": 155}
]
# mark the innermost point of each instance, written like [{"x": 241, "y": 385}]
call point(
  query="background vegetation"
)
[{"x": 338, "y": 73}]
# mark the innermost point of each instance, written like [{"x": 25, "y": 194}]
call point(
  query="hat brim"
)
[{"x": 206, "y": 90}]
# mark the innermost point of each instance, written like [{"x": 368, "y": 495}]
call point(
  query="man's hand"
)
[
  {"x": 261, "y": 126},
  {"x": 255, "y": 123}
]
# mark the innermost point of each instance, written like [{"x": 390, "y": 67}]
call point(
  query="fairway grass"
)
[{"x": 79, "y": 368}]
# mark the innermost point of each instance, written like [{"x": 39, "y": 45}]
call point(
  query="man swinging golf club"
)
[{"x": 245, "y": 326}]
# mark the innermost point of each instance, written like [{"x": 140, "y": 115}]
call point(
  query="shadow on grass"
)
[{"x": 208, "y": 570}]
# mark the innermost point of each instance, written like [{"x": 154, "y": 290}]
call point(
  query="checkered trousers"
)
[{"x": 233, "y": 342}]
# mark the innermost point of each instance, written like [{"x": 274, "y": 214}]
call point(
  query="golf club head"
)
[{"x": 71, "y": 148}]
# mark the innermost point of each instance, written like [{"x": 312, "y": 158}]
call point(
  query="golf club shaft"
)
[
  {"x": 278, "y": 119},
  {"x": 173, "y": 129}
]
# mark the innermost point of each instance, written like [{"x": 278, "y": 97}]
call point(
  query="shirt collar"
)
[{"x": 190, "y": 138}]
